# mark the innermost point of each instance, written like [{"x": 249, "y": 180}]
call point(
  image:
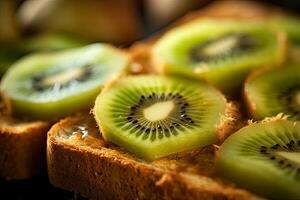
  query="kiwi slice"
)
[
  {"x": 52, "y": 85},
  {"x": 154, "y": 116},
  {"x": 274, "y": 91},
  {"x": 220, "y": 51},
  {"x": 264, "y": 158}
]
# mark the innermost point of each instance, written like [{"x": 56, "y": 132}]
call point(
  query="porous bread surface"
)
[
  {"x": 22, "y": 148},
  {"x": 80, "y": 160}
]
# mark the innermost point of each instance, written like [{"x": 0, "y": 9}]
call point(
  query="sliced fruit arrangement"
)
[
  {"x": 269, "y": 92},
  {"x": 264, "y": 158},
  {"x": 154, "y": 116},
  {"x": 222, "y": 52},
  {"x": 52, "y": 85}
]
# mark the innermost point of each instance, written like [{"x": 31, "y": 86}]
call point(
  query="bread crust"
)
[
  {"x": 97, "y": 170},
  {"x": 22, "y": 148}
]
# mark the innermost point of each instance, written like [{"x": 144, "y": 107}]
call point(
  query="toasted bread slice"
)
[
  {"x": 22, "y": 148},
  {"x": 80, "y": 160}
]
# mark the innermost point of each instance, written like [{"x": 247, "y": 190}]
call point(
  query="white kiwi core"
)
[{"x": 158, "y": 111}]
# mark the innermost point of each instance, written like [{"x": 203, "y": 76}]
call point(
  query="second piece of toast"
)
[{"x": 80, "y": 160}]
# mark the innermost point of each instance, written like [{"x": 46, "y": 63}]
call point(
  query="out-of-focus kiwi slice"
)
[
  {"x": 269, "y": 92},
  {"x": 10, "y": 52},
  {"x": 264, "y": 158},
  {"x": 154, "y": 116},
  {"x": 222, "y": 52},
  {"x": 52, "y": 85}
]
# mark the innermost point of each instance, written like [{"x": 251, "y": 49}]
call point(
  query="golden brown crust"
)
[
  {"x": 95, "y": 169},
  {"x": 22, "y": 148}
]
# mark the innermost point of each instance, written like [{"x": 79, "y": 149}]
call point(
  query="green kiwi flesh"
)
[
  {"x": 274, "y": 91},
  {"x": 222, "y": 52},
  {"x": 264, "y": 158},
  {"x": 52, "y": 85},
  {"x": 154, "y": 116}
]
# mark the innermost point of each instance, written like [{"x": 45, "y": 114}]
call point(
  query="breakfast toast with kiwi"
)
[
  {"x": 42, "y": 88},
  {"x": 80, "y": 160},
  {"x": 174, "y": 135}
]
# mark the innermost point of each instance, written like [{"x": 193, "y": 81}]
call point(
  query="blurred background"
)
[
  {"x": 28, "y": 26},
  {"x": 115, "y": 21}
]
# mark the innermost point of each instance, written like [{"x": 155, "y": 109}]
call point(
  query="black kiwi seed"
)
[
  {"x": 244, "y": 42},
  {"x": 275, "y": 146},
  {"x": 281, "y": 162},
  {"x": 138, "y": 126},
  {"x": 272, "y": 157},
  {"x": 263, "y": 151}
]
